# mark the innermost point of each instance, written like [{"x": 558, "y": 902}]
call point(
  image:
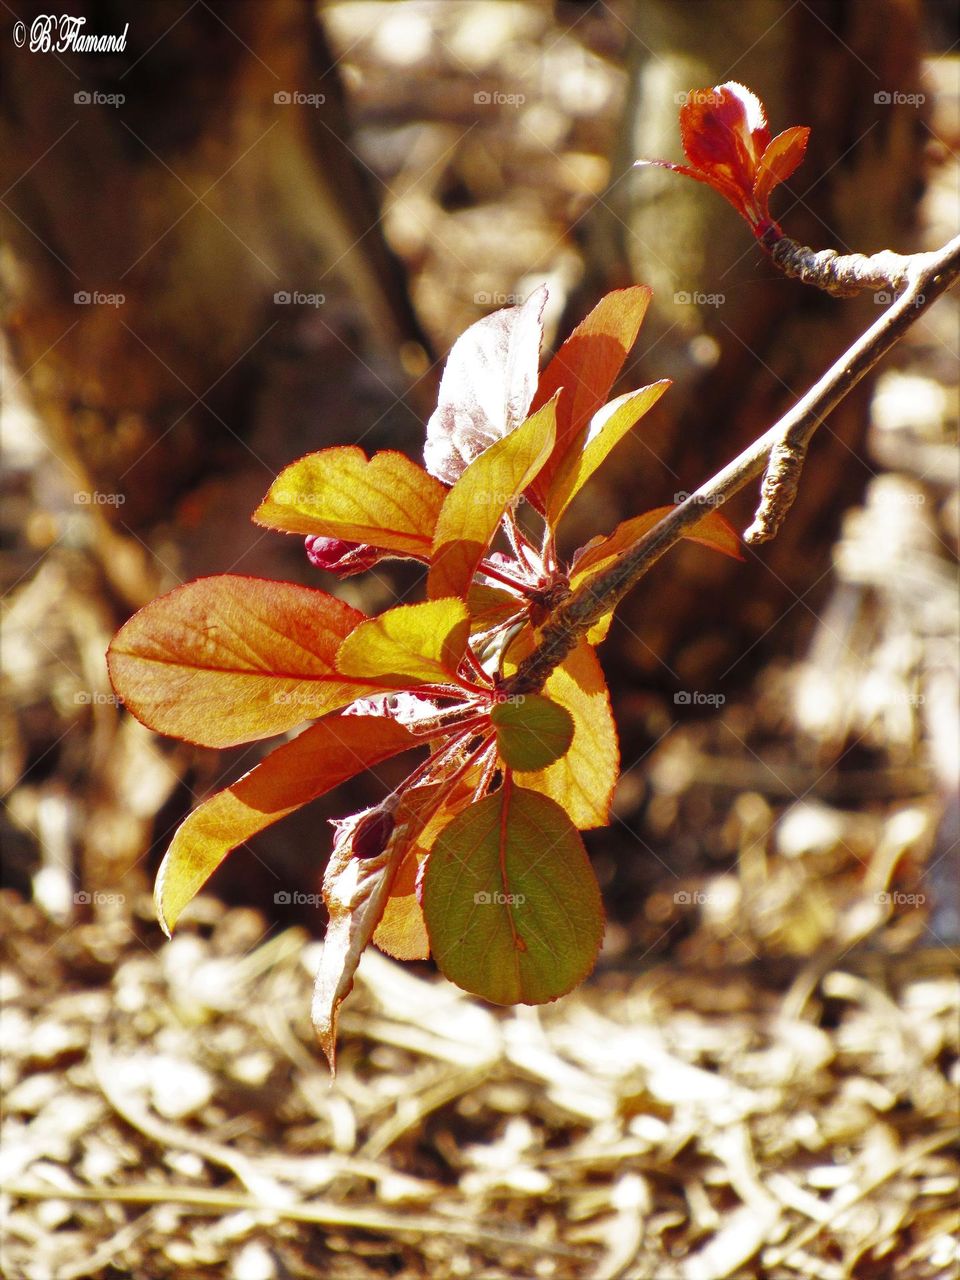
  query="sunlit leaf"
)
[
  {"x": 532, "y": 731},
  {"x": 490, "y": 606},
  {"x": 510, "y": 900},
  {"x": 607, "y": 428},
  {"x": 230, "y": 659},
  {"x": 713, "y": 530},
  {"x": 409, "y": 645},
  {"x": 487, "y": 386},
  {"x": 476, "y": 503},
  {"x": 779, "y": 161},
  {"x": 583, "y": 779},
  {"x": 322, "y": 757},
  {"x": 586, "y": 367},
  {"x": 389, "y": 501},
  {"x": 355, "y": 891}
]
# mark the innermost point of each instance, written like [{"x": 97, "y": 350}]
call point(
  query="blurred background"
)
[{"x": 254, "y": 231}]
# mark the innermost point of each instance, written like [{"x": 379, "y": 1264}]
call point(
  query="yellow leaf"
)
[
  {"x": 582, "y": 781},
  {"x": 409, "y": 645},
  {"x": 474, "y": 506},
  {"x": 607, "y": 428},
  {"x": 388, "y": 502}
]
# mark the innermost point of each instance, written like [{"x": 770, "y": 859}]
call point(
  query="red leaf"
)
[
  {"x": 230, "y": 659},
  {"x": 586, "y": 367},
  {"x": 487, "y": 386},
  {"x": 779, "y": 161},
  {"x": 323, "y": 756}
]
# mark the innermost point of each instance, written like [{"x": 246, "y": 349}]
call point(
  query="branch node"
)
[
  {"x": 778, "y": 489},
  {"x": 841, "y": 275}
]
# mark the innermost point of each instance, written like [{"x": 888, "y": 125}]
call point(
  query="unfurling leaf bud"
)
[{"x": 340, "y": 557}]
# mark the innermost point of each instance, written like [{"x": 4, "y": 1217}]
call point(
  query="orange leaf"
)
[
  {"x": 586, "y": 367},
  {"x": 712, "y": 530},
  {"x": 607, "y": 428},
  {"x": 779, "y": 161},
  {"x": 323, "y": 756},
  {"x": 388, "y": 502},
  {"x": 230, "y": 659},
  {"x": 476, "y": 503}
]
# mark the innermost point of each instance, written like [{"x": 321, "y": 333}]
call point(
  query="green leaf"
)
[
  {"x": 476, "y": 503},
  {"x": 409, "y": 645},
  {"x": 231, "y": 659},
  {"x": 607, "y": 428},
  {"x": 532, "y": 732},
  {"x": 510, "y": 900},
  {"x": 388, "y": 502},
  {"x": 322, "y": 757}
]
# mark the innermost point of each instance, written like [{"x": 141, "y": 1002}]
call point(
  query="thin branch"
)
[
  {"x": 930, "y": 275},
  {"x": 842, "y": 275}
]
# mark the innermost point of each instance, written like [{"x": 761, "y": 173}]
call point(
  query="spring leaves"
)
[{"x": 476, "y": 857}]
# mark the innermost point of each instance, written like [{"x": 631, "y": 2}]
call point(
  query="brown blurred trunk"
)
[
  {"x": 700, "y": 622},
  {"x": 195, "y": 200}
]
